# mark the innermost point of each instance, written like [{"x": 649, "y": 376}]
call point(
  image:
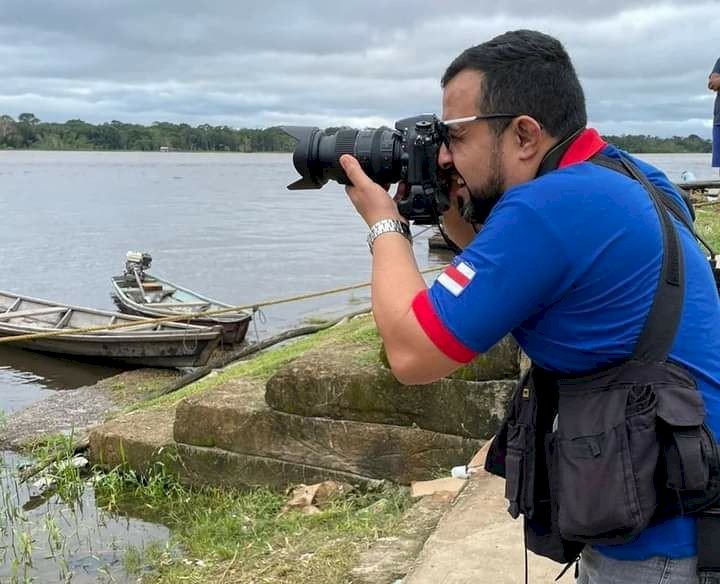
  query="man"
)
[
  {"x": 567, "y": 260},
  {"x": 714, "y": 85}
]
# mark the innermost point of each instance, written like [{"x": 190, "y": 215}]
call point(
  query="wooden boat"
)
[
  {"x": 138, "y": 292},
  {"x": 151, "y": 344}
]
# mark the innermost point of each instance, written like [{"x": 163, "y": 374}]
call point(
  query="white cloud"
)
[{"x": 644, "y": 66}]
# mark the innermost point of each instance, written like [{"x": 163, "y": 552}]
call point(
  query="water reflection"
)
[
  {"x": 26, "y": 377},
  {"x": 53, "y": 372},
  {"x": 52, "y": 541}
]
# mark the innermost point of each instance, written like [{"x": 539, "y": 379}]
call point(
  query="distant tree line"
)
[
  {"x": 653, "y": 144},
  {"x": 29, "y": 132}
]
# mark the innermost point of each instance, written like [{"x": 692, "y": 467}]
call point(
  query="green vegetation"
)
[
  {"x": 707, "y": 223},
  {"x": 247, "y": 536},
  {"x": 223, "y": 535},
  {"x": 654, "y": 145},
  {"x": 360, "y": 330},
  {"x": 29, "y": 132}
]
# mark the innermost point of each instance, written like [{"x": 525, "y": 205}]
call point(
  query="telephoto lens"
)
[
  {"x": 317, "y": 155},
  {"x": 407, "y": 154}
]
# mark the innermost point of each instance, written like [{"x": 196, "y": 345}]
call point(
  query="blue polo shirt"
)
[{"x": 569, "y": 263}]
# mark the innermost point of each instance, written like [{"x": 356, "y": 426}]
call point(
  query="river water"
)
[{"x": 221, "y": 224}]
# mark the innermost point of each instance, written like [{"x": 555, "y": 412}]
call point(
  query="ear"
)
[{"x": 528, "y": 137}]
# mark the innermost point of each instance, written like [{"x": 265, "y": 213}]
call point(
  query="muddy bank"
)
[{"x": 76, "y": 410}]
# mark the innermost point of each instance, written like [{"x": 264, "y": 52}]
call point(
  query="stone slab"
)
[
  {"x": 336, "y": 383},
  {"x": 137, "y": 439},
  {"x": 234, "y": 418},
  {"x": 220, "y": 468}
]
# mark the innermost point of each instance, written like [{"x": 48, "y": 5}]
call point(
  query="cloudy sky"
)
[{"x": 644, "y": 65}]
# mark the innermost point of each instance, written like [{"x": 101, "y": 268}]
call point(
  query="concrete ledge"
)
[
  {"x": 230, "y": 419},
  {"x": 137, "y": 439},
  {"x": 216, "y": 467},
  {"x": 336, "y": 383},
  {"x": 390, "y": 558}
]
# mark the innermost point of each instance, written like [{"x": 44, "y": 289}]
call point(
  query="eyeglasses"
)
[{"x": 443, "y": 128}]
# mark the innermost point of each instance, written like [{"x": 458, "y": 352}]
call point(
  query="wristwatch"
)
[{"x": 388, "y": 226}]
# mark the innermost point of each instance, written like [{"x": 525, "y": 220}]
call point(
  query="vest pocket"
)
[
  {"x": 513, "y": 467},
  {"x": 518, "y": 481},
  {"x": 605, "y": 460}
]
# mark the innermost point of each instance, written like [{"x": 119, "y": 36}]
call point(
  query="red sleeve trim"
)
[
  {"x": 437, "y": 332},
  {"x": 585, "y": 146}
]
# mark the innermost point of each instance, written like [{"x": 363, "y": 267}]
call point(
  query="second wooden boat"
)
[{"x": 138, "y": 292}]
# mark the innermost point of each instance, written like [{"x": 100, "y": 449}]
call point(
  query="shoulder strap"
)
[
  {"x": 671, "y": 204},
  {"x": 663, "y": 320}
]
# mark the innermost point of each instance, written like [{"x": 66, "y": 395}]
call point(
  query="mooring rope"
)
[{"x": 194, "y": 315}]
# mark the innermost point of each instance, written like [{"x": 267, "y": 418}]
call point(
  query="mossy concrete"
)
[
  {"x": 336, "y": 382},
  {"x": 235, "y": 418},
  {"x": 321, "y": 408},
  {"x": 200, "y": 466},
  {"x": 136, "y": 439}
]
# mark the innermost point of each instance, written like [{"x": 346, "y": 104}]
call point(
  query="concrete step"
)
[
  {"x": 136, "y": 439},
  {"x": 341, "y": 383},
  {"x": 234, "y": 418}
]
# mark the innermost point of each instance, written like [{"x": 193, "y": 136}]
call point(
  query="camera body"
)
[{"x": 407, "y": 154}]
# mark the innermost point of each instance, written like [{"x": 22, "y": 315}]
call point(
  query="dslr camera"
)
[{"x": 407, "y": 154}]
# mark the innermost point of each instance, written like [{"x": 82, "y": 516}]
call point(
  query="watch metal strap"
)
[{"x": 388, "y": 226}]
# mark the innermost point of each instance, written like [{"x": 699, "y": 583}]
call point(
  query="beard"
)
[{"x": 484, "y": 197}]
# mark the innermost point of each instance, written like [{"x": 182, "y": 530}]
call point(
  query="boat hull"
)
[
  {"x": 234, "y": 325},
  {"x": 233, "y": 331},
  {"x": 188, "y": 352},
  {"x": 141, "y": 343}
]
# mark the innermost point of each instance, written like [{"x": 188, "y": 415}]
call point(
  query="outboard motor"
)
[{"x": 136, "y": 262}]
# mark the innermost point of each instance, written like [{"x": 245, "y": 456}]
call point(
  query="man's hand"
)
[
  {"x": 458, "y": 229},
  {"x": 369, "y": 198},
  {"x": 714, "y": 82}
]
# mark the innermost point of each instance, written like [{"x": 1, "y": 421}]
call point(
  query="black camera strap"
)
[{"x": 663, "y": 320}]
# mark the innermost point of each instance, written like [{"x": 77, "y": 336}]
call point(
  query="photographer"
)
[{"x": 568, "y": 260}]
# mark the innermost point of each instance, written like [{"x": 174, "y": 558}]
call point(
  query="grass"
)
[
  {"x": 218, "y": 535},
  {"x": 231, "y": 535},
  {"x": 136, "y": 385},
  {"x": 707, "y": 223},
  {"x": 360, "y": 330}
]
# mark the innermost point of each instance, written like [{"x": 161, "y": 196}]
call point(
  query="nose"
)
[{"x": 444, "y": 157}]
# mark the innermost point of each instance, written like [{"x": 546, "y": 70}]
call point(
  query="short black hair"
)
[{"x": 526, "y": 72}]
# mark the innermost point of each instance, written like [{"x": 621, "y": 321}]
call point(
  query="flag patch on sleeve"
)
[{"x": 456, "y": 278}]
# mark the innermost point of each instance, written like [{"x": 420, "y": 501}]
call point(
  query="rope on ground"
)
[
  {"x": 200, "y": 372},
  {"x": 190, "y": 316}
]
